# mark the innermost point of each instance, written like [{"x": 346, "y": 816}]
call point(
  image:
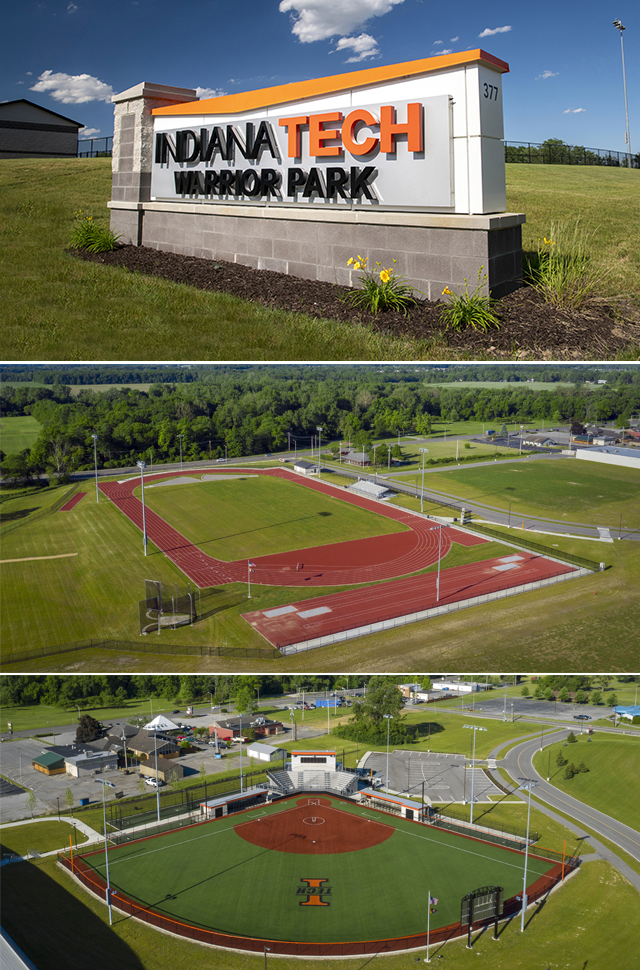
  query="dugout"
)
[
  {"x": 394, "y": 804},
  {"x": 238, "y": 802}
]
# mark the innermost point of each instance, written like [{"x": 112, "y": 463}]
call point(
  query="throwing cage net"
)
[{"x": 167, "y": 606}]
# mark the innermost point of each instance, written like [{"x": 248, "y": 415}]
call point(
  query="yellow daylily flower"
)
[
  {"x": 350, "y": 261},
  {"x": 385, "y": 276},
  {"x": 447, "y": 291}
]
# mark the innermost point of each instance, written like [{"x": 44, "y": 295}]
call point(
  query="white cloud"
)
[
  {"x": 437, "y": 42},
  {"x": 573, "y": 111},
  {"x": 72, "y": 88},
  {"x": 445, "y": 50},
  {"x": 71, "y": 8},
  {"x": 363, "y": 46},
  {"x": 454, "y": 39},
  {"x": 320, "y": 19},
  {"x": 546, "y": 74},
  {"x": 210, "y": 92},
  {"x": 490, "y": 31},
  {"x": 88, "y": 132}
]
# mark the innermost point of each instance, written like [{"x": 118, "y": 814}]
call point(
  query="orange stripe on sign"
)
[{"x": 285, "y": 93}]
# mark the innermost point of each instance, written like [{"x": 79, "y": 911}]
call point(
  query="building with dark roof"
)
[{"x": 29, "y": 131}]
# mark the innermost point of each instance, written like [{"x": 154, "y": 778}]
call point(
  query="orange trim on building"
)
[{"x": 317, "y": 87}]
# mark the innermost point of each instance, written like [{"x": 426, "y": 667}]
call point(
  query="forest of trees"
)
[{"x": 244, "y": 411}]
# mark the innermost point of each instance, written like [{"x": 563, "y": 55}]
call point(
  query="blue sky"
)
[{"x": 565, "y": 80}]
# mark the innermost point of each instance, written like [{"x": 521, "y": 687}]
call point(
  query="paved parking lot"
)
[
  {"x": 492, "y": 703},
  {"x": 446, "y": 777}
]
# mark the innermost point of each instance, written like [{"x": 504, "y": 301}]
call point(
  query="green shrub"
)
[
  {"x": 561, "y": 269},
  {"x": 91, "y": 236},
  {"x": 381, "y": 289},
  {"x": 470, "y": 309}
]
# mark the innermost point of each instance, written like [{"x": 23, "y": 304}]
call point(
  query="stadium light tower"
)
[
  {"x": 319, "y": 430},
  {"x": 180, "y": 437},
  {"x": 621, "y": 27},
  {"x": 527, "y": 785},
  {"x": 474, "y": 728},
  {"x": 439, "y": 558},
  {"x": 142, "y": 465},
  {"x": 106, "y": 784},
  {"x": 388, "y": 718},
  {"x": 95, "y": 462},
  {"x": 425, "y": 451}
]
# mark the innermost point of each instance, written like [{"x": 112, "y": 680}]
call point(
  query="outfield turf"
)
[
  {"x": 211, "y": 876},
  {"x": 564, "y": 488},
  {"x": 259, "y": 515}
]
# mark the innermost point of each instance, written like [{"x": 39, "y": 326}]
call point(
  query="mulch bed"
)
[{"x": 529, "y": 328}]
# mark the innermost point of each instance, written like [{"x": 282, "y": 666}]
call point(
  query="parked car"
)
[
  {"x": 175, "y": 712},
  {"x": 581, "y": 717},
  {"x": 153, "y": 783},
  {"x": 221, "y": 459}
]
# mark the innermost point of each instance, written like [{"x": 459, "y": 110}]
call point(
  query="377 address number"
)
[{"x": 491, "y": 91}]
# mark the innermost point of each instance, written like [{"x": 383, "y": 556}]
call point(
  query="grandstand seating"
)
[{"x": 340, "y": 782}]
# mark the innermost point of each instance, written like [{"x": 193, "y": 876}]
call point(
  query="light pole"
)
[
  {"x": 142, "y": 465},
  {"x": 621, "y": 27},
  {"x": 101, "y": 781},
  {"x": 425, "y": 451},
  {"x": 474, "y": 728},
  {"x": 180, "y": 437},
  {"x": 388, "y": 457},
  {"x": 439, "y": 558},
  {"x": 319, "y": 430},
  {"x": 527, "y": 785},
  {"x": 388, "y": 718},
  {"x": 210, "y": 693},
  {"x": 241, "y": 784},
  {"x": 95, "y": 462},
  {"x": 267, "y": 949}
]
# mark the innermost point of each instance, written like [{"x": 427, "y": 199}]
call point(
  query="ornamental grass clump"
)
[
  {"x": 381, "y": 288},
  {"x": 91, "y": 236},
  {"x": 470, "y": 309},
  {"x": 561, "y": 270}
]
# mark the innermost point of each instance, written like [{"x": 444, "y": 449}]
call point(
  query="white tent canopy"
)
[{"x": 161, "y": 723}]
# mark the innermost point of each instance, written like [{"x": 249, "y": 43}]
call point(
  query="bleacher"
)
[{"x": 340, "y": 782}]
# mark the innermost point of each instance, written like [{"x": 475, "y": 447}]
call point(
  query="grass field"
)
[
  {"x": 40, "y": 837},
  {"x": 48, "y": 297},
  {"x": 611, "y": 783},
  {"x": 204, "y": 872},
  {"x": 564, "y": 488},
  {"x": 18, "y": 433},
  {"x": 260, "y": 515}
]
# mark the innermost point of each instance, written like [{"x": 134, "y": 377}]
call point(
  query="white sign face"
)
[{"x": 394, "y": 154}]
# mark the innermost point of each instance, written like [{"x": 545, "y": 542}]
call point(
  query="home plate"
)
[
  {"x": 319, "y": 610},
  {"x": 281, "y": 611}
]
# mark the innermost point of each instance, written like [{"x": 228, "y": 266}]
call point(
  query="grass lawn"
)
[
  {"x": 48, "y": 297},
  {"x": 563, "y": 488},
  {"x": 20, "y": 510},
  {"x": 597, "y": 897},
  {"x": 18, "y": 433},
  {"x": 261, "y": 515},
  {"x": 39, "y": 837},
  {"x": 610, "y": 785}
]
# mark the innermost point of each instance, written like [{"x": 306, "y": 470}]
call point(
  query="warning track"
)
[{"x": 336, "y": 564}]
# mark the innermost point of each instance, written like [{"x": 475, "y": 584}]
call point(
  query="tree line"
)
[{"x": 249, "y": 412}]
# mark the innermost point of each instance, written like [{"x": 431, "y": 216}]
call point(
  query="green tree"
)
[
  {"x": 69, "y": 799},
  {"x": 426, "y": 683},
  {"x": 549, "y": 694},
  {"x": 525, "y": 691},
  {"x": 582, "y": 767},
  {"x": 538, "y": 692},
  {"x": 595, "y": 697},
  {"x": 564, "y": 695},
  {"x": 580, "y": 697},
  {"x": 561, "y": 760},
  {"x": 88, "y": 728},
  {"x": 569, "y": 771},
  {"x": 32, "y": 801},
  {"x": 246, "y": 701},
  {"x": 612, "y": 700},
  {"x": 571, "y": 738}
]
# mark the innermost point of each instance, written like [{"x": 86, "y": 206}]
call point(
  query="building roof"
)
[
  {"x": 48, "y": 759},
  {"x": 267, "y": 748},
  {"x": 360, "y": 456},
  {"x": 369, "y": 488},
  {"x": 89, "y": 756},
  {"x": 147, "y": 743},
  {"x": 161, "y": 723},
  {"x": 233, "y": 723},
  {"x": 12, "y": 111},
  {"x": 318, "y": 87},
  {"x": 304, "y": 464},
  {"x": 236, "y": 797}
]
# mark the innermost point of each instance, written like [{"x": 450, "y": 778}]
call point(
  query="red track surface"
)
[
  {"x": 73, "y": 502},
  {"x": 337, "y": 564},
  {"x": 356, "y": 608}
]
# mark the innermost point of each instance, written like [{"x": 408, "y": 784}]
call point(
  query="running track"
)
[{"x": 337, "y": 564}]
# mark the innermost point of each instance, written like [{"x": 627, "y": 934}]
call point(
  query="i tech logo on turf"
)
[{"x": 314, "y": 891}]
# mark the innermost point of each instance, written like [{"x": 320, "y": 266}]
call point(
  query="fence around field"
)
[
  {"x": 92, "y": 881},
  {"x": 537, "y": 153},
  {"x": 95, "y": 147},
  {"x": 55, "y": 506},
  {"x": 156, "y": 647},
  {"x": 533, "y": 546},
  {"x": 498, "y": 832}
]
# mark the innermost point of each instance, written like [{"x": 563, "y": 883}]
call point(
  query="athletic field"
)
[{"x": 253, "y": 874}]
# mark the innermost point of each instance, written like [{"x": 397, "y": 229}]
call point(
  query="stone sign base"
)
[{"x": 432, "y": 250}]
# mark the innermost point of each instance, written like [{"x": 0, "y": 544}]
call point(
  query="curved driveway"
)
[{"x": 518, "y": 762}]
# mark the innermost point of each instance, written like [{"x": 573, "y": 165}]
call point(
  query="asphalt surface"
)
[{"x": 518, "y": 762}]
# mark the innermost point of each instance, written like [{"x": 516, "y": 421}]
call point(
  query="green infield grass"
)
[
  {"x": 201, "y": 875},
  {"x": 597, "y": 897},
  {"x": 38, "y": 837},
  {"x": 260, "y": 515},
  {"x": 564, "y": 488},
  {"x": 18, "y": 433},
  {"x": 48, "y": 296},
  {"x": 611, "y": 782}
]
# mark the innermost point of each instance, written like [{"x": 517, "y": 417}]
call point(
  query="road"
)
[{"x": 518, "y": 762}]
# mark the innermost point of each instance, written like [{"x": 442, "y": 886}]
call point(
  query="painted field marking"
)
[
  {"x": 280, "y": 611},
  {"x": 316, "y": 612}
]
